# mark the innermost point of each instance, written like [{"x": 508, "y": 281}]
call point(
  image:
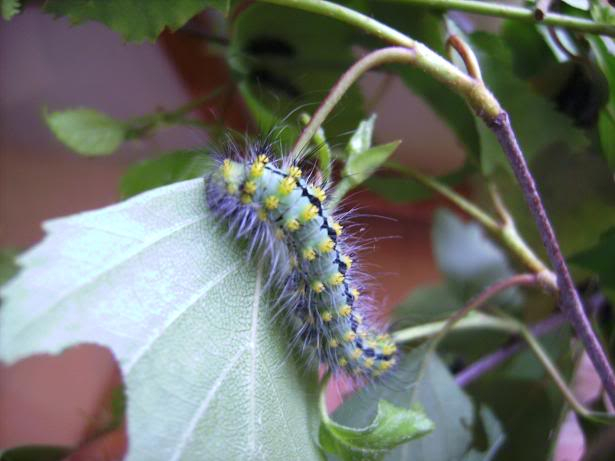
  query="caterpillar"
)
[{"x": 285, "y": 220}]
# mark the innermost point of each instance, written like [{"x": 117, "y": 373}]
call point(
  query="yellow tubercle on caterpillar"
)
[
  {"x": 294, "y": 172},
  {"x": 287, "y": 185},
  {"x": 337, "y": 227},
  {"x": 356, "y": 353},
  {"x": 369, "y": 362},
  {"x": 327, "y": 316},
  {"x": 262, "y": 158},
  {"x": 326, "y": 246},
  {"x": 249, "y": 187},
  {"x": 343, "y": 362},
  {"x": 231, "y": 189},
  {"x": 279, "y": 234},
  {"x": 346, "y": 260},
  {"x": 292, "y": 225},
  {"x": 355, "y": 293},
  {"x": 271, "y": 202},
  {"x": 345, "y": 310},
  {"x": 262, "y": 215},
  {"x": 246, "y": 199},
  {"x": 308, "y": 213},
  {"x": 349, "y": 336},
  {"x": 389, "y": 349},
  {"x": 334, "y": 343},
  {"x": 226, "y": 169},
  {"x": 256, "y": 170},
  {"x": 309, "y": 254},
  {"x": 318, "y": 286},
  {"x": 336, "y": 279},
  {"x": 319, "y": 194},
  {"x": 386, "y": 364},
  {"x": 294, "y": 262}
]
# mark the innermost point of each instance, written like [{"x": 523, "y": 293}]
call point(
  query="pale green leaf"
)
[
  {"x": 87, "y": 131},
  {"x": 362, "y": 165},
  {"x": 391, "y": 427},
  {"x": 9, "y": 8},
  {"x": 420, "y": 379},
  {"x": 135, "y": 20},
  {"x": 207, "y": 373},
  {"x": 361, "y": 139}
]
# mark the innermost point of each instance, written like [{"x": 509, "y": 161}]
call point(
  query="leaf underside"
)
[{"x": 207, "y": 374}]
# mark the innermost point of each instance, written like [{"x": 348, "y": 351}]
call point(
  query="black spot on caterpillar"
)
[{"x": 309, "y": 258}]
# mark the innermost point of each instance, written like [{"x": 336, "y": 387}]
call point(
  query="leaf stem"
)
[
  {"x": 519, "y": 13},
  {"x": 505, "y": 231},
  {"x": 569, "y": 299},
  {"x": 322, "y": 398}
]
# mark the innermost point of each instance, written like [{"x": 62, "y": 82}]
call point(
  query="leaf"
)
[
  {"x": 421, "y": 379},
  {"x": 166, "y": 169},
  {"x": 281, "y": 69},
  {"x": 468, "y": 258},
  {"x": 391, "y": 427},
  {"x": 427, "y": 303},
  {"x": 361, "y": 165},
  {"x": 9, "y": 8},
  {"x": 87, "y": 131},
  {"x": 495, "y": 437},
  {"x": 606, "y": 121},
  {"x": 361, "y": 139},
  {"x": 155, "y": 279},
  {"x": 429, "y": 28},
  {"x": 134, "y": 20},
  {"x": 534, "y": 118},
  {"x": 8, "y": 265},
  {"x": 35, "y": 453},
  {"x": 600, "y": 258}
]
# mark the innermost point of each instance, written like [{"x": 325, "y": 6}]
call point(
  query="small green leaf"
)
[
  {"x": 391, "y": 427},
  {"x": 35, "y": 453},
  {"x": 361, "y": 139},
  {"x": 9, "y": 8},
  {"x": 87, "y": 131},
  {"x": 135, "y": 20},
  {"x": 468, "y": 258},
  {"x": 8, "y": 264},
  {"x": 361, "y": 165},
  {"x": 495, "y": 437},
  {"x": 600, "y": 259},
  {"x": 156, "y": 279},
  {"x": 164, "y": 170},
  {"x": 421, "y": 379}
]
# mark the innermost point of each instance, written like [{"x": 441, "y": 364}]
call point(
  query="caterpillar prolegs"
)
[{"x": 308, "y": 256}]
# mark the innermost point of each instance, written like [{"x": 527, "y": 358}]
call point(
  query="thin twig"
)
[
  {"x": 541, "y": 9},
  {"x": 467, "y": 55},
  {"x": 520, "y": 13},
  {"x": 569, "y": 298}
]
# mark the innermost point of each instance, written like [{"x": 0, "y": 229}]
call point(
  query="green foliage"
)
[
  {"x": 536, "y": 122},
  {"x": 155, "y": 280},
  {"x": 428, "y": 27},
  {"x": 600, "y": 259},
  {"x": 279, "y": 70},
  {"x": 8, "y": 265},
  {"x": 391, "y": 427},
  {"x": 422, "y": 380},
  {"x": 87, "y": 131},
  {"x": 166, "y": 169},
  {"x": 134, "y": 20},
  {"x": 468, "y": 259},
  {"x": 9, "y": 8}
]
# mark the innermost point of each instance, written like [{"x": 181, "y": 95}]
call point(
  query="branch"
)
[
  {"x": 519, "y": 13},
  {"x": 569, "y": 300}
]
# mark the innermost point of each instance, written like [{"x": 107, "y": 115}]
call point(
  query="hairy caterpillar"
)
[{"x": 288, "y": 228}]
